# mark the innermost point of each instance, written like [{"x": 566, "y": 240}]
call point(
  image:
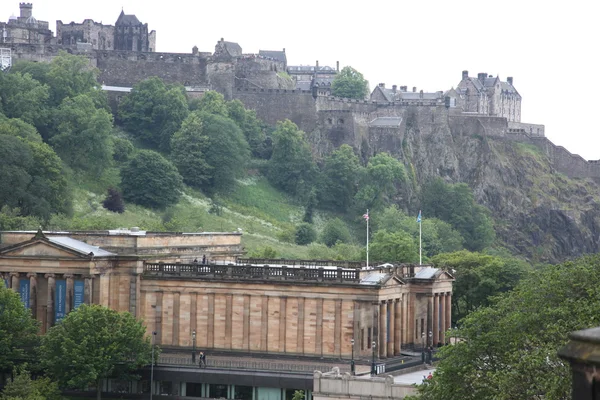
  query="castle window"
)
[
  {"x": 341, "y": 121},
  {"x": 329, "y": 121}
]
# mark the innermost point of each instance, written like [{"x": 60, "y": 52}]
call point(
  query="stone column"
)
[
  {"x": 50, "y": 300},
  {"x": 429, "y": 322},
  {"x": 443, "y": 319},
  {"x": 405, "y": 318},
  {"x": 69, "y": 294},
  {"x": 383, "y": 329},
  {"x": 88, "y": 290},
  {"x": 14, "y": 281},
  {"x": 398, "y": 326},
  {"x": 391, "y": 343},
  {"x": 448, "y": 310},
  {"x": 436, "y": 319},
  {"x": 33, "y": 293}
]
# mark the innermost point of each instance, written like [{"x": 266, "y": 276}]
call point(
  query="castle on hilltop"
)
[{"x": 126, "y": 54}]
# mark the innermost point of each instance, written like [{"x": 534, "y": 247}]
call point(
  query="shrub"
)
[
  {"x": 305, "y": 234},
  {"x": 335, "y": 231},
  {"x": 114, "y": 201}
]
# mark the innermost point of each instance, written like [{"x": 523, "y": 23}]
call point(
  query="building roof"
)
[
  {"x": 233, "y": 48},
  {"x": 374, "y": 278},
  {"x": 386, "y": 121},
  {"x": 303, "y": 85},
  {"x": 427, "y": 273},
  {"x": 275, "y": 54},
  {"x": 419, "y": 96},
  {"x": 127, "y": 19},
  {"x": 80, "y": 246}
]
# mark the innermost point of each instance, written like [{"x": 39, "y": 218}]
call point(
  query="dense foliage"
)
[
  {"x": 18, "y": 331},
  {"x": 22, "y": 387},
  {"x": 509, "y": 350},
  {"x": 350, "y": 83},
  {"x": 94, "y": 343}
]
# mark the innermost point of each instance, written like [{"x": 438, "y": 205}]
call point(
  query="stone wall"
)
[
  {"x": 125, "y": 68},
  {"x": 335, "y": 386}
]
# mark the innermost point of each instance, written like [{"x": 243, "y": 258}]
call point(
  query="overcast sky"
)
[{"x": 551, "y": 48}]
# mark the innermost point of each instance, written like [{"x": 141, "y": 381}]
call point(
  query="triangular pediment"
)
[
  {"x": 444, "y": 276},
  {"x": 40, "y": 248},
  {"x": 394, "y": 281}
]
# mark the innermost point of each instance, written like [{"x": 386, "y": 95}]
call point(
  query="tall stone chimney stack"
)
[
  {"x": 510, "y": 80},
  {"x": 26, "y": 10},
  {"x": 414, "y": 89},
  {"x": 465, "y": 74}
]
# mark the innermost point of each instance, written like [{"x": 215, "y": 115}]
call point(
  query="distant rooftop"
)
[{"x": 80, "y": 246}]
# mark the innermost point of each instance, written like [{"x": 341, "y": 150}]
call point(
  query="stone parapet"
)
[{"x": 583, "y": 352}]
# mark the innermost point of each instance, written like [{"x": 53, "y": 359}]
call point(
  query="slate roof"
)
[
  {"x": 234, "y": 49},
  {"x": 387, "y": 93},
  {"x": 490, "y": 81},
  {"x": 374, "y": 278},
  {"x": 277, "y": 55},
  {"x": 323, "y": 81},
  {"x": 417, "y": 96},
  {"x": 79, "y": 246},
  {"x": 127, "y": 20},
  {"x": 427, "y": 273},
  {"x": 386, "y": 121}
]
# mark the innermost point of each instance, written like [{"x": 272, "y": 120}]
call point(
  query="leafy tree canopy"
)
[
  {"x": 291, "y": 166},
  {"x": 154, "y": 111},
  {"x": 305, "y": 234},
  {"x": 335, "y": 231},
  {"x": 508, "y": 351},
  {"x": 253, "y": 128},
  {"x": 69, "y": 76},
  {"x": 19, "y": 128},
  {"x": 456, "y": 205},
  {"x": 18, "y": 330},
  {"x": 339, "y": 178},
  {"x": 23, "y": 97},
  {"x": 479, "y": 277},
  {"x": 22, "y": 387},
  {"x": 397, "y": 247},
  {"x": 213, "y": 102},
  {"x": 350, "y": 83},
  {"x": 150, "y": 180},
  {"x": 380, "y": 183},
  {"x": 94, "y": 343}
]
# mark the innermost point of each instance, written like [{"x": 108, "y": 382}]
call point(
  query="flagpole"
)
[
  {"x": 367, "y": 238},
  {"x": 420, "y": 258}
]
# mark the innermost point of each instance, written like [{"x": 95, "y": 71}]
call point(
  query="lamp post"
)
[
  {"x": 373, "y": 371},
  {"x": 423, "y": 347},
  {"x": 152, "y": 367},
  {"x": 352, "y": 362},
  {"x": 194, "y": 347},
  {"x": 430, "y": 349}
]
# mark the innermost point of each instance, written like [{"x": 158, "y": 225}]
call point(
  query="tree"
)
[
  {"x": 18, "y": 330},
  {"x": 509, "y": 350},
  {"x": 380, "y": 183},
  {"x": 479, "y": 277},
  {"x": 19, "y": 128},
  {"x": 210, "y": 151},
  {"x": 23, "y": 97},
  {"x": 334, "y": 231},
  {"x": 70, "y": 76},
  {"x": 398, "y": 247},
  {"x": 339, "y": 178},
  {"x": 291, "y": 166},
  {"x": 213, "y": 102},
  {"x": 350, "y": 83},
  {"x": 94, "y": 343},
  {"x": 83, "y": 134},
  {"x": 251, "y": 126},
  {"x": 114, "y": 201},
  {"x": 22, "y": 387},
  {"x": 150, "y": 180},
  {"x": 305, "y": 234},
  {"x": 153, "y": 112}
]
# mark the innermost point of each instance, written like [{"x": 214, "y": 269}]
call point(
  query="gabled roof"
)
[
  {"x": 58, "y": 246},
  {"x": 490, "y": 81},
  {"x": 127, "y": 20},
  {"x": 277, "y": 55},
  {"x": 80, "y": 246},
  {"x": 232, "y": 48}
]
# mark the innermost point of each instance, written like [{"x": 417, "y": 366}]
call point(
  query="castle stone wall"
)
[
  {"x": 272, "y": 105},
  {"x": 468, "y": 125},
  {"x": 126, "y": 68}
]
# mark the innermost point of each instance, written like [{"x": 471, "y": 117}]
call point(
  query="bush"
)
[
  {"x": 122, "y": 148},
  {"x": 335, "y": 231},
  {"x": 114, "y": 201},
  {"x": 305, "y": 234},
  {"x": 263, "y": 252}
]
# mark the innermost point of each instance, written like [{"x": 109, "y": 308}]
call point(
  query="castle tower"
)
[{"x": 26, "y": 10}]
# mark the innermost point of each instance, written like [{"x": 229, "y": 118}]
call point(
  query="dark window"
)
[
  {"x": 217, "y": 391},
  {"x": 341, "y": 121},
  {"x": 166, "y": 387},
  {"x": 369, "y": 339},
  {"x": 289, "y": 394},
  {"x": 243, "y": 392},
  {"x": 193, "y": 389}
]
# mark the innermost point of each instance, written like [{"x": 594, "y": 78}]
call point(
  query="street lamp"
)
[
  {"x": 373, "y": 371},
  {"x": 152, "y": 367},
  {"x": 423, "y": 347},
  {"x": 430, "y": 350},
  {"x": 352, "y": 362},
  {"x": 194, "y": 347}
]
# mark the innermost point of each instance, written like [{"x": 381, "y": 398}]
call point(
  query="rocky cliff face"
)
[{"x": 538, "y": 212}]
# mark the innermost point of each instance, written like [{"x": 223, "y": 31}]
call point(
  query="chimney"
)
[
  {"x": 403, "y": 88},
  {"x": 394, "y": 87},
  {"x": 195, "y": 50},
  {"x": 337, "y": 66},
  {"x": 382, "y": 85},
  {"x": 284, "y": 49},
  {"x": 481, "y": 76},
  {"x": 465, "y": 74},
  {"x": 510, "y": 80},
  {"x": 414, "y": 89},
  {"x": 421, "y": 93},
  {"x": 26, "y": 10}
]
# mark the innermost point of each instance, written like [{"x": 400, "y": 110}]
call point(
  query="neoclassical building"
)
[{"x": 313, "y": 309}]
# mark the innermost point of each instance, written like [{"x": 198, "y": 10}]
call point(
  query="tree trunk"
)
[{"x": 99, "y": 389}]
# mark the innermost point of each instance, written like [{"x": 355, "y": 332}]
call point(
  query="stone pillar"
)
[
  {"x": 69, "y": 293},
  {"x": 50, "y": 301},
  {"x": 443, "y": 319},
  {"x": 88, "y": 290},
  {"x": 448, "y": 310},
  {"x": 14, "y": 281},
  {"x": 405, "y": 318},
  {"x": 398, "y": 326},
  {"x": 391, "y": 343},
  {"x": 383, "y": 329},
  {"x": 33, "y": 303},
  {"x": 429, "y": 322},
  {"x": 436, "y": 319}
]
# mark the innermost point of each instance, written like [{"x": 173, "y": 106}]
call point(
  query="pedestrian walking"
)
[{"x": 202, "y": 359}]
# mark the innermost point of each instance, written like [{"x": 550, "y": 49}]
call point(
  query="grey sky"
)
[{"x": 549, "y": 47}]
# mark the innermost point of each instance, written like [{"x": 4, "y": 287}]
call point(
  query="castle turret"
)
[{"x": 26, "y": 10}]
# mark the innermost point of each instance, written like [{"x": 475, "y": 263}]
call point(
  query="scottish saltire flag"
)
[
  {"x": 419, "y": 217},
  {"x": 366, "y": 216}
]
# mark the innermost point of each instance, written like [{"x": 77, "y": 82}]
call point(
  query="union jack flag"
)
[{"x": 366, "y": 216}]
